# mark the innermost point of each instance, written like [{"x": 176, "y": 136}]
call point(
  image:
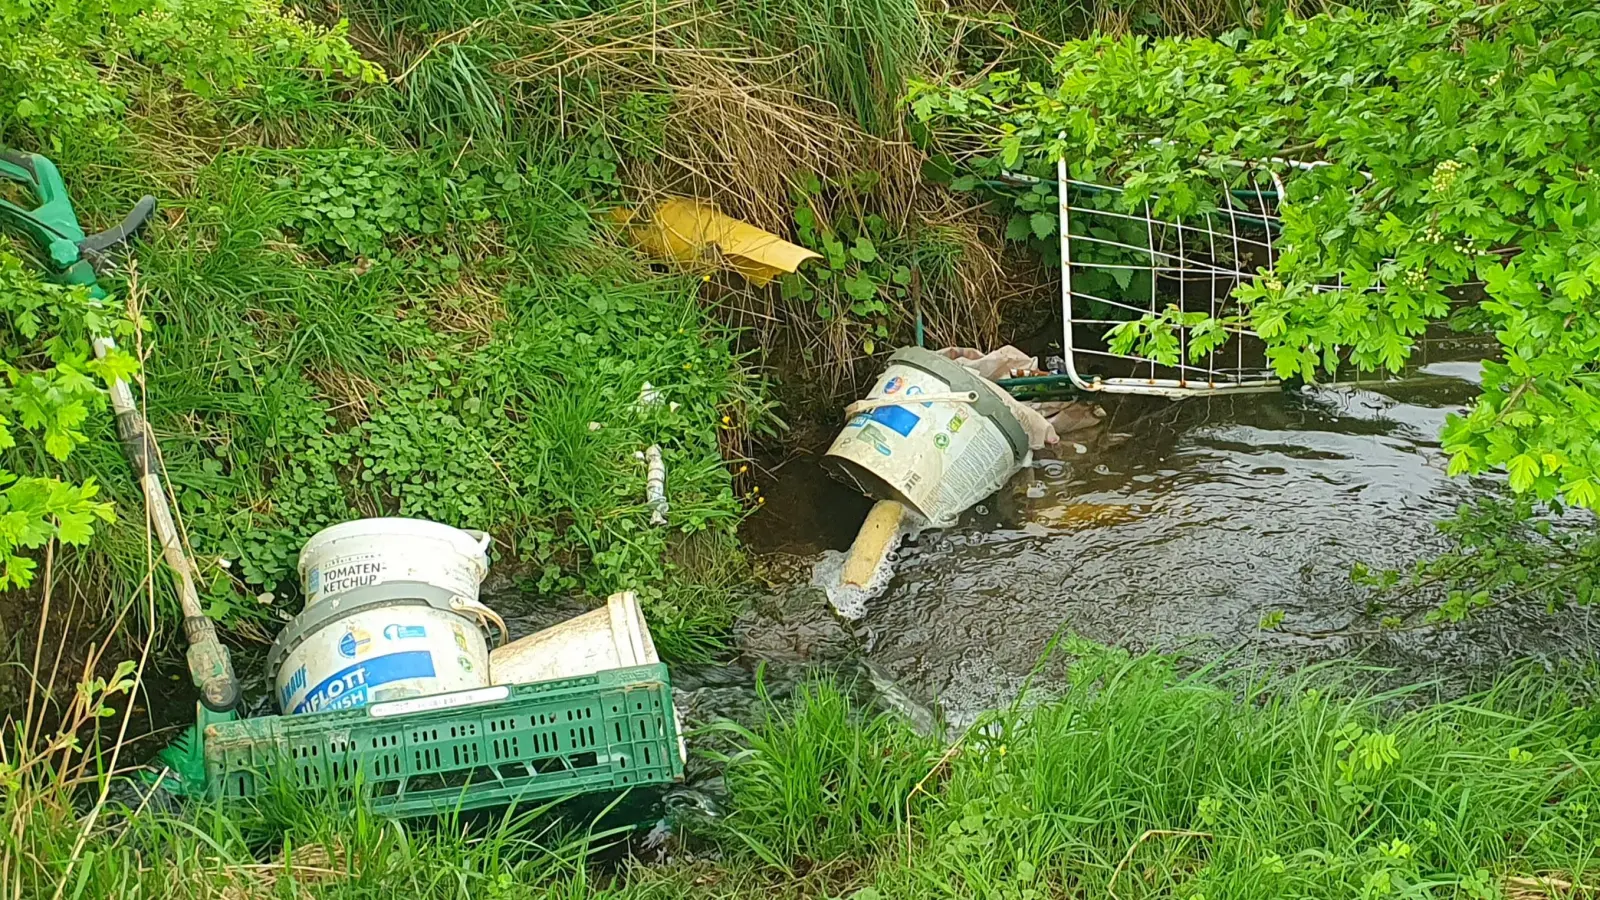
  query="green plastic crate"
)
[{"x": 530, "y": 742}]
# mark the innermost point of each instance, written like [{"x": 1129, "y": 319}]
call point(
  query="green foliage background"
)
[
  {"x": 348, "y": 318},
  {"x": 1454, "y": 145}
]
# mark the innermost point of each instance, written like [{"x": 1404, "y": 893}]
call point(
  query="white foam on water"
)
[{"x": 850, "y": 601}]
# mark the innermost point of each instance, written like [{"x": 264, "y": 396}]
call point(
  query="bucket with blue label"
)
[
  {"x": 384, "y": 642},
  {"x": 936, "y": 456}
]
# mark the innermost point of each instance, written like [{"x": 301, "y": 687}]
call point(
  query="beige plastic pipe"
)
[{"x": 872, "y": 542}]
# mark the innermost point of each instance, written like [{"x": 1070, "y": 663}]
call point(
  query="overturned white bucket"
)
[
  {"x": 368, "y": 552},
  {"x": 612, "y": 637},
  {"x": 376, "y": 643},
  {"x": 936, "y": 456}
]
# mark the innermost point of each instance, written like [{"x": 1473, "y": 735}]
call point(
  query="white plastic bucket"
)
[
  {"x": 612, "y": 637},
  {"x": 936, "y": 457},
  {"x": 383, "y": 642},
  {"x": 367, "y": 552}
]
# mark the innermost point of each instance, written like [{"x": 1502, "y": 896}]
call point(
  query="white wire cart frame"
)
[{"x": 1191, "y": 265}]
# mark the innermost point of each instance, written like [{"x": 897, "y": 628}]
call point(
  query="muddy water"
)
[{"x": 1180, "y": 525}]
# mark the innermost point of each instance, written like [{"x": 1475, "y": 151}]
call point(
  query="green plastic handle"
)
[{"x": 52, "y": 225}]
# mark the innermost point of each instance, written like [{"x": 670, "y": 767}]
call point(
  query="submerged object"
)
[
  {"x": 877, "y": 537},
  {"x": 932, "y": 435}
]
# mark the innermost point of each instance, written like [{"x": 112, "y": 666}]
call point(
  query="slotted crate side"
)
[
  {"x": 609, "y": 730},
  {"x": 641, "y": 729}
]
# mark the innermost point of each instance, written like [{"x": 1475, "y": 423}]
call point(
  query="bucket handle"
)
[
  {"x": 484, "y": 615},
  {"x": 482, "y": 538},
  {"x": 871, "y": 403}
]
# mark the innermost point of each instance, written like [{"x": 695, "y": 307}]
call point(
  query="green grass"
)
[
  {"x": 1181, "y": 786},
  {"x": 1137, "y": 781},
  {"x": 352, "y": 330},
  {"x": 372, "y": 299}
]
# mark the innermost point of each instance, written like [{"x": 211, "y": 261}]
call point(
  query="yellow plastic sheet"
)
[{"x": 683, "y": 229}]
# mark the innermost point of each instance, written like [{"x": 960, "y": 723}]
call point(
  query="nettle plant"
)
[
  {"x": 1455, "y": 145},
  {"x": 50, "y": 383}
]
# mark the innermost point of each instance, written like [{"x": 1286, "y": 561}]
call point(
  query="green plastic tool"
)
[
  {"x": 70, "y": 256},
  {"x": 52, "y": 226}
]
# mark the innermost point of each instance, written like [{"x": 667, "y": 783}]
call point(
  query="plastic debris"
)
[
  {"x": 684, "y": 230},
  {"x": 1008, "y": 362},
  {"x": 655, "y": 484}
]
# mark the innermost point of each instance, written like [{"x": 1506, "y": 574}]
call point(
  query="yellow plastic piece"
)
[
  {"x": 682, "y": 229},
  {"x": 872, "y": 542}
]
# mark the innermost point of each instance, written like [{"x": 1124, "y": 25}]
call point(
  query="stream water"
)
[{"x": 1179, "y": 526}]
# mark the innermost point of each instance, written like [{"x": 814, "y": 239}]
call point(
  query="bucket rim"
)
[
  {"x": 400, "y": 526},
  {"x": 989, "y": 404},
  {"x": 313, "y": 618}
]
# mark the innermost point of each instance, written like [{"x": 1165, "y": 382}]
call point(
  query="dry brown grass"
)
[
  {"x": 468, "y": 307},
  {"x": 691, "y": 104},
  {"x": 348, "y": 393},
  {"x": 1550, "y": 886},
  {"x": 741, "y": 129}
]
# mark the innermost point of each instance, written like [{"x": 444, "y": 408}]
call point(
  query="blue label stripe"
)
[
  {"x": 897, "y": 418},
  {"x": 349, "y": 687}
]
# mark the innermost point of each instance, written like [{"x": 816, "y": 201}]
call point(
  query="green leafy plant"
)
[
  {"x": 1504, "y": 551},
  {"x": 48, "y": 389},
  {"x": 357, "y": 202},
  {"x": 863, "y": 280},
  {"x": 1451, "y": 144},
  {"x": 57, "y": 53}
]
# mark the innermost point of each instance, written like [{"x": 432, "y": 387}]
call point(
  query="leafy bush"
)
[
  {"x": 358, "y": 202},
  {"x": 1456, "y": 140},
  {"x": 48, "y": 390}
]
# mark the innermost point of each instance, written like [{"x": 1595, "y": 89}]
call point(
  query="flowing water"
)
[{"x": 1181, "y": 525}]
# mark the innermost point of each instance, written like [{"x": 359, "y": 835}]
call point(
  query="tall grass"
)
[
  {"x": 1141, "y": 782},
  {"x": 294, "y": 850},
  {"x": 858, "y": 53},
  {"x": 1137, "y": 781}
]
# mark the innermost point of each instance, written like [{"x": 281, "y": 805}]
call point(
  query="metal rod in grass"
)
[{"x": 150, "y": 527}]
